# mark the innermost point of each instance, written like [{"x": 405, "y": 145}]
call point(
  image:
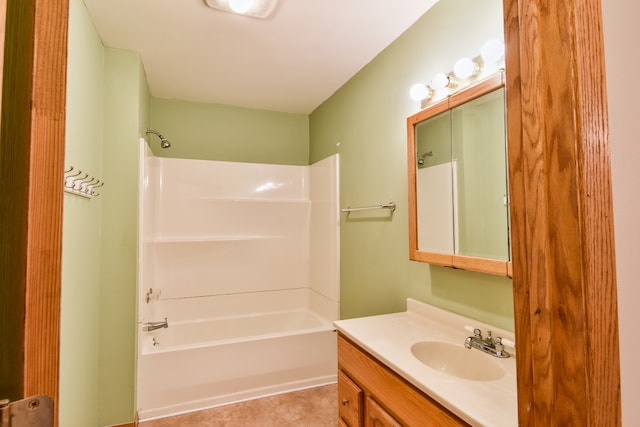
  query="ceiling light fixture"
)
[
  {"x": 254, "y": 8},
  {"x": 240, "y": 6}
]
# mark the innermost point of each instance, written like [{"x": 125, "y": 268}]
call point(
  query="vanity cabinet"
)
[
  {"x": 376, "y": 416},
  {"x": 350, "y": 407},
  {"x": 372, "y": 395}
]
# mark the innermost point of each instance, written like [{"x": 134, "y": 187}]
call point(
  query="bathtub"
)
[
  {"x": 243, "y": 260},
  {"x": 202, "y": 363}
]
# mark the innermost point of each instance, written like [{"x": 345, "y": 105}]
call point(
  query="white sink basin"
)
[{"x": 458, "y": 361}]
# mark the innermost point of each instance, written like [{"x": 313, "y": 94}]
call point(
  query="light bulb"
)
[
  {"x": 492, "y": 51},
  {"x": 439, "y": 81},
  {"x": 240, "y": 6},
  {"x": 418, "y": 92},
  {"x": 465, "y": 68}
]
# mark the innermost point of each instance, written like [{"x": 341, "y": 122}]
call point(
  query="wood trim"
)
[
  {"x": 561, "y": 212},
  {"x": 3, "y": 20},
  {"x": 428, "y": 112},
  {"x": 46, "y": 171},
  {"x": 477, "y": 90},
  {"x": 14, "y": 176},
  {"x": 445, "y": 260},
  {"x": 482, "y": 265},
  {"x": 32, "y": 165}
]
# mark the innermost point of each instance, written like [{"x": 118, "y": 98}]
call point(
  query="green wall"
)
[
  {"x": 365, "y": 121},
  {"x": 108, "y": 106},
  {"x": 222, "y": 132},
  {"x": 79, "y": 343},
  {"x": 126, "y": 109}
]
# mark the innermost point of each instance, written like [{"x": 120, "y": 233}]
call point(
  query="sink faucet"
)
[
  {"x": 489, "y": 345},
  {"x": 152, "y": 326}
]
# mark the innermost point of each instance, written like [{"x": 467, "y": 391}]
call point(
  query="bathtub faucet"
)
[{"x": 152, "y": 326}]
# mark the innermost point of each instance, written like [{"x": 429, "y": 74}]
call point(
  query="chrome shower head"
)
[
  {"x": 421, "y": 158},
  {"x": 164, "y": 142}
]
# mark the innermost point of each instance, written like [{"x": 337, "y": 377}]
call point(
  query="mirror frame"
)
[{"x": 483, "y": 265}]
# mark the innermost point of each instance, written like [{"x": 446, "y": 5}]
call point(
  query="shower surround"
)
[{"x": 243, "y": 261}]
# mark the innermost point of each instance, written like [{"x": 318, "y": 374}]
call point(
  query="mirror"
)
[{"x": 458, "y": 190}]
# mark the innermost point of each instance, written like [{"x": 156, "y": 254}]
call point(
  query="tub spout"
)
[{"x": 152, "y": 326}]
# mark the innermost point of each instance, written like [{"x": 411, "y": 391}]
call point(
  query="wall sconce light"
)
[
  {"x": 254, "y": 8},
  {"x": 465, "y": 68}
]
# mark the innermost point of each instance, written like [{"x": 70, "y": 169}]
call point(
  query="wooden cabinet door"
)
[
  {"x": 350, "y": 401},
  {"x": 376, "y": 416}
]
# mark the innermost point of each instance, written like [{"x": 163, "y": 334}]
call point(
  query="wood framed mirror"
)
[{"x": 458, "y": 185}]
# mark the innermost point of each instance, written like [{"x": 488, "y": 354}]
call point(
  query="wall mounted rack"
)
[{"x": 80, "y": 183}]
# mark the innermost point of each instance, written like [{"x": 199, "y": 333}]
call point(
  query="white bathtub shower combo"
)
[{"x": 243, "y": 261}]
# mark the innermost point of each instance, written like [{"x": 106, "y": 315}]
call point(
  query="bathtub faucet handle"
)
[{"x": 152, "y": 326}]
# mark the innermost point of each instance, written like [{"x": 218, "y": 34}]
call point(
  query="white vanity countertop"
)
[{"x": 389, "y": 338}]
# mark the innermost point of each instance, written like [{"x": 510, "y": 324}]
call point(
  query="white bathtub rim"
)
[
  {"x": 236, "y": 340},
  {"x": 145, "y": 350},
  {"x": 237, "y": 397},
  {"x": 252, "y": 314}
]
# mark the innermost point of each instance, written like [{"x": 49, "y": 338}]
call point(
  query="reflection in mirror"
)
[
  {"x": 458, "y": 210},
  {"x": 434, "y": 184},
  {"x": 480, "y": 180}
]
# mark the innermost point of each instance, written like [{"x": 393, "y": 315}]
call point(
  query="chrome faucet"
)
[
  {"x": 488, "y": 345},
  {"x": 152, "y": 326}
]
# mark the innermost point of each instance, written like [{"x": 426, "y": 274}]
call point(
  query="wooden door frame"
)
[
  {"x": 564, "y": 279},
  {"x": 564, "y": 261},
  {"x": 32, "y": 137}
]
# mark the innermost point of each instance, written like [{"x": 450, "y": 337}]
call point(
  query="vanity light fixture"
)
[
  {"x": 492, "y": 51},
  {"x": 419, "y": 92},
  {"x": 254, "y": 8},
  {"x": 465, "y": 68},
  {"x": 440, "y": 81},
  {"x": 466, "y": 71}
]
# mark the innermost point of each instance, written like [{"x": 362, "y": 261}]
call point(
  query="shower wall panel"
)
[
  {"x": 324, "y": 245},
  {"x": 213, "y": 228},
  {"x": 224, "y": 228}
]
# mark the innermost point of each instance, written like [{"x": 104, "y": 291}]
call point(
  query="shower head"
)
[
  {"x": 164, "y": 142},
  {"x": 421, "y": 158}
]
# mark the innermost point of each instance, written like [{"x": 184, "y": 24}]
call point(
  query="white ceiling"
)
[{"x": 289, "y": 62}]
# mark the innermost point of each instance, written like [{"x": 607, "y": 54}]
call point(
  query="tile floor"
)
[{"x": 314, "y": 407}]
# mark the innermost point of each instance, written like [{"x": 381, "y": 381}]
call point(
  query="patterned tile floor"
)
[{"x": 314, "y": 407}]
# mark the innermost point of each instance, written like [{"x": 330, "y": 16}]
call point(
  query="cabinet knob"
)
[{"x": 345, "y": 402}]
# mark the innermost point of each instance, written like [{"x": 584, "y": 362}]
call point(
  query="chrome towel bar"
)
[{"x": 391, "y": 206}]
